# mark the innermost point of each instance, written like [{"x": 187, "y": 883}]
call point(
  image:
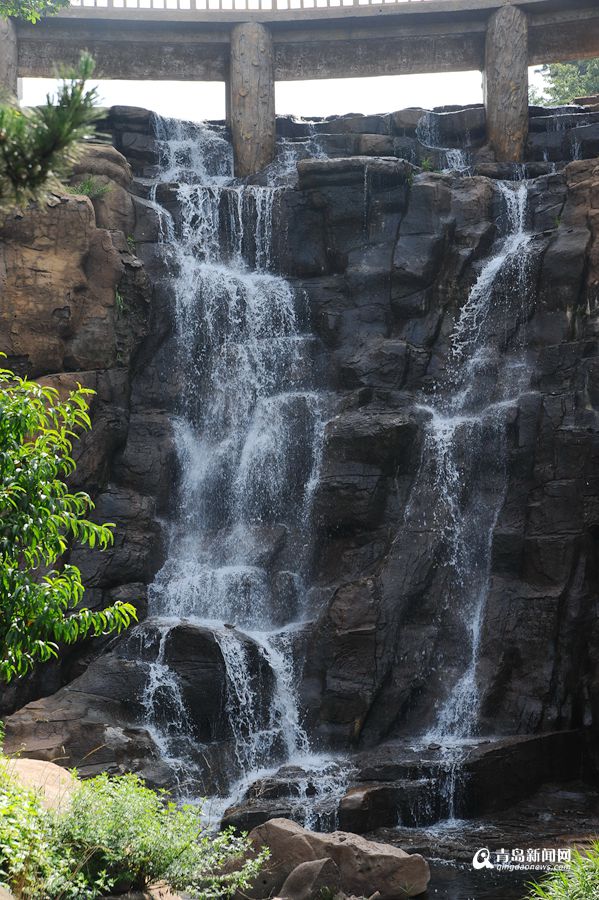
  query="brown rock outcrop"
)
[
  {"x": 60, "y": 275},
  {"x": 53, "y": 784},
  {"x": 364, "y": 866}
]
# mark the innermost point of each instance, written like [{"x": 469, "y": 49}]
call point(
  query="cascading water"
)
[
  {"x": 249, "y": 434},
  {"x": 464, "y": 457},
  {"x": 453, "y": 159}
]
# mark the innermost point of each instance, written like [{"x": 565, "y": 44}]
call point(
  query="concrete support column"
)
[
  {"x": 8, "y": 58},
  {"x": 251, "y": 96},
  {"x": 506, "y": 83}
]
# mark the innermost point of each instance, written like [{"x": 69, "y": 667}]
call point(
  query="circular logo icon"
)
[{"x": 482, "y": 859}]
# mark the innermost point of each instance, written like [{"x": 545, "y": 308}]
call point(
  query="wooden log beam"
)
[
  {"x": 8, "y": 57},
  {"x": 251, "y": 94},
  {"x": 506, "y": 83}
]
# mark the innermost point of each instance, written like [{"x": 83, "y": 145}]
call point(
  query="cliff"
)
[{"x": 438, "y": 551}]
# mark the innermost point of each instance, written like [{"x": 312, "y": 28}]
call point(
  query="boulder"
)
[
  {"x": 104, "y": 160},
  {"x": 309, "y": 880},
  {"x": 53, "y": 784},
  {"x": 405, "y": 121},
  {"x": 364, "y": 866}
]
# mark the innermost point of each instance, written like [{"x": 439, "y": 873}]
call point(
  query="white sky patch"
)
[{"x": 206, "y": 100}]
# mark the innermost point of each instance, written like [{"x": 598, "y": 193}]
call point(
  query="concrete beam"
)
[
  {"x": 506, "y": 83},
  {"x": 153, "y": 60},
  {"x": 8, "y": 57},
  {"x": 404, "y": 38},
  {"x": 562, "y": 36},
  {"x": 390, "y": 55},
  {"x": 251, "y": 91}
]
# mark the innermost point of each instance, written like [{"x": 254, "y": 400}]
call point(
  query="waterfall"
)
[
  {"x": 249, "y": 431},
  {"x": 465, "y": 426},
  {"x": 451, "y": 159}
]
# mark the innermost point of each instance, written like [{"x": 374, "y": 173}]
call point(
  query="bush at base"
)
[{"x": 116, "y": 833}]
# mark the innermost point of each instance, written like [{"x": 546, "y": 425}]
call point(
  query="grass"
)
[
  {"x": 119, "y": 302},
  {"x": 580, "y": 881},
  {"x": 89, "y": 187}
]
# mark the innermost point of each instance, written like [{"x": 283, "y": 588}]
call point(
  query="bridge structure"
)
[{"x": 250, "y": 44}]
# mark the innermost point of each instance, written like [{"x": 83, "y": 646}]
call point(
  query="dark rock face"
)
[
  {"x": 396, "y": 261},
  {"x": 386, "y": 254},
  {"x": 102, "y": 721}
]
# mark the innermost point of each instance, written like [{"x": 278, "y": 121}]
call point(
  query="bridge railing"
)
[{"x": 232, "y": 5}]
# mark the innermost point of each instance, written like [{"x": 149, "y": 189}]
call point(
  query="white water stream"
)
[
  {"x": 468, "y": 423},
  {"x": 451, "y": 159},
  {"x": 465, "y": 426},
  {"x": 249, "y": 434}
]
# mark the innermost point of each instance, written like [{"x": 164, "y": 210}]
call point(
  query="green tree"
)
[
  {"x": 40, "y": 143},
  {"x": 565, "y": 81},
  {"x": 30, "y": 10},
  {"x": 40, "y": 597}
]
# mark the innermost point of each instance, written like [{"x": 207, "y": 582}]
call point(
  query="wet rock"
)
[
  {"x": 585, "y": 141},
  {"x": 459, "y": 127},
  {"x": 354, "y": 124},
  {"x": 405, "y": 121},
  {"x": 97, "y": 722},
  {"x": 386, "y": 256},
  {"x": 315, "y": 173}
]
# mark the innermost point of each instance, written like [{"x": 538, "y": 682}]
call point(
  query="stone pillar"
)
[
  {"x": 251, "y": 90},
  {"x": 8, "y": 57},
  {"x": 506, "y": 83}
]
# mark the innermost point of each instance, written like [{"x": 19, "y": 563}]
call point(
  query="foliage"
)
[
  {"x": 119, "y": 303},
  {"x": 565, "y": 81},
  {"x": 39, "y": 143},
  {"x": 115, "y": 833},
  {"x": 580, "y": 881},
  {"x": 39, "y": 605},
  {"x": 89, "y": 187},
  {"x": 32, "y": 864},
  {"x": 137, "y": 837},
  {"x": 30, "y": 10}
]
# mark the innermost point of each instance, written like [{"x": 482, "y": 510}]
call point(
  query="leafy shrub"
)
[
  {"x": 580, "y": 881},
  {"x": 89, "y": 187},
  {"x": 116, "y": 833},
  {"x": 39, "y": 604},
  {"x": 30, "y": 10},
  {"x": 31, "y": 863},
  {"x": 137, "y": 837}
]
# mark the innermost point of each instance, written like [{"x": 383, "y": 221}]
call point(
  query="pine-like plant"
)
[{"x": 37, "y": 144}]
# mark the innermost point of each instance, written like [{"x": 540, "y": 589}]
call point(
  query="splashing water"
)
[
  {"x": 462, "y": 428},
  {"x": 451, "y": 159},
  {"x": 249, "y": 434}
]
